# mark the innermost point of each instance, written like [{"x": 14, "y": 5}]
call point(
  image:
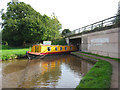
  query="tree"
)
[
  {"x": 21, "y": 24},
  {"x": 116, "y": 21},
  {"x": 52, "y": 27},
  {"x": 56, "y": 26},
  {"x": 0, "y": 37},
  {"x": 65, "y": 31}
]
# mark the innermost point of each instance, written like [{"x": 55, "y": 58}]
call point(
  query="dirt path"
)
[{"x": 114, "y": 79}]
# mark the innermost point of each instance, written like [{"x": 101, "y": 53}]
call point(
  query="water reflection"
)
[{"x": 59, "y": 71}]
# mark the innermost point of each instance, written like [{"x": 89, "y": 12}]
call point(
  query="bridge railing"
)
[{"x": 111, "y": 22}]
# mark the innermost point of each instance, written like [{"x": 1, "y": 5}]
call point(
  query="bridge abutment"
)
[{"x": 104, "y": 43}]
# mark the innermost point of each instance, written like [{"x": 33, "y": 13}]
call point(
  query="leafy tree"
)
[
  {"x": 116, "y": 21},
  {"x": 0, "y": 37},
  {"x": 56, "y": 26},
  {"x": 65, "y": 31},
  {"x": 59, "y": 41},
  {"x": 52, "y": 27},
  {"x": 23, "y": 25}
]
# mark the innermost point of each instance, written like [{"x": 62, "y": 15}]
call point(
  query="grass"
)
[
  {"x": 99, "y": 75},
  {"x": 5, "y": 47},
  {"x": 102, "y": 56},
  {"x": 12, "y": 53}
]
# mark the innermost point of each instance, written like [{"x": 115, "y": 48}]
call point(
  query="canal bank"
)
[
  {"x": 17, "y": 53},
  {"x": 113, "y": 74}
]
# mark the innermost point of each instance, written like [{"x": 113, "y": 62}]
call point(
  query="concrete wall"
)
[
  {"x": 84, "y": 45},
  {"x": 102, "y": 42}
]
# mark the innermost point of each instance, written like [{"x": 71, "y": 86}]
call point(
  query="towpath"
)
[{"x": 114, "y": 79}]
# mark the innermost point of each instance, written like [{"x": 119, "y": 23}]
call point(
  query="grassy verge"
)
[
  {"x": 102, "y": 56},
  {"x": 99, "y": 75},
  {"x": 12, "y": 53}
]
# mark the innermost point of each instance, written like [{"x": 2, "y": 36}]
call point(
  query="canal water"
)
[{"x": 58, "y": 71}]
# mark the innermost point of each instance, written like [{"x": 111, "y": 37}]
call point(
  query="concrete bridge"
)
[{"x": 99, "y": 38}]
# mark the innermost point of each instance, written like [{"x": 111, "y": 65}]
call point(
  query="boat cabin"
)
[{"x": 51, "y": 49}]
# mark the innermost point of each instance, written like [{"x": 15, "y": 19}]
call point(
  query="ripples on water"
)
[{"x": 58, "y": 71}]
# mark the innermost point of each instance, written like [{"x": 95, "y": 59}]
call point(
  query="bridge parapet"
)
[{"x": 108, "y": 23}]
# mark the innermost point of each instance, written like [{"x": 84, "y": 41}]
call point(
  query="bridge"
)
[{"x": 99, "y": 38}]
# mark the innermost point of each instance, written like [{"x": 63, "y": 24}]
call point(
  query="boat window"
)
[
  {"x": 65, "y": 48},
  {"x": 56, "y": 48},
  {"x": 60, "y": 48},
  {"x": 70, "y": 48},
  {"x": 36, "y": 49},
  {"x": 49, "y": 48}
]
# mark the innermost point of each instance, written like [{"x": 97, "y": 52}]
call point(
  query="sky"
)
[{"x": 73, "y": 14}]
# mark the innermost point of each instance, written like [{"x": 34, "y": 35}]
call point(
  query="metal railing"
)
[{"x": 111, "y": 22}]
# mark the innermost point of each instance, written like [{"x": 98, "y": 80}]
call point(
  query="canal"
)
[{"x": 58, "y": 71}]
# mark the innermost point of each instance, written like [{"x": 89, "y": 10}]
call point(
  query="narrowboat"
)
[{"x": 50, "y": 49}]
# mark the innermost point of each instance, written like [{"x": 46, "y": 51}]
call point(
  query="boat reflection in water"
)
[{"x": 59, "y": 71}]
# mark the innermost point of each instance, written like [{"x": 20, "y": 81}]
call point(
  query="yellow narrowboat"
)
[{"x": 50, "y": 49}]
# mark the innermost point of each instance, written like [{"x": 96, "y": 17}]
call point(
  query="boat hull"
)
[{"x": 41, "y": 54}]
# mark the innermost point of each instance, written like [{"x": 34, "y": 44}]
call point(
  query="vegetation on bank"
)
[
  {"x": 102, "y": 56},
  {"x": 12, "y": 52},
  {"x": 9, "y": 52},
  {"x": 99, "y": 75}
]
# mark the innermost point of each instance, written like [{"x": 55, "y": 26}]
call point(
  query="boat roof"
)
[{"x": 52, "y": 45}]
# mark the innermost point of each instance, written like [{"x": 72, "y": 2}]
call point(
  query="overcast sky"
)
[{"x": 73, "y": 14}]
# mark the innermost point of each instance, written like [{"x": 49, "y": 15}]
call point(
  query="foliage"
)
[
  {"x": 6, "y": 47},
  {"x": 116, "y": 21},
  {"x": 13, "y": 53},
  {"x": 59, "y": 41},
  {"x": 65, "y": 31},
  {"x": 0, "y": 37},
  {"x": 99, "y": 75},
  {"x": 23, "y": 25},
  {"x": 52, "y": 27}
]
